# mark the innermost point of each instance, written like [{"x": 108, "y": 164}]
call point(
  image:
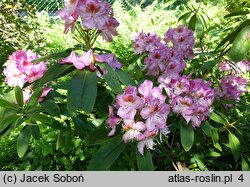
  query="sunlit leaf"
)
[
  {"x": 234, "y": 145},
  {"x": 241, "y": 45}
]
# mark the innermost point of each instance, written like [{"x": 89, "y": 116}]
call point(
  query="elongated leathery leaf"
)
[
  {"x": 187, "y": 136},
  {"x": 234, "y": 145},
  {"x": 19, "y": 95},
  {"x": 144, "y": 162},
  {"x": 107, "y": 154},
  {"x": 54, "y": 72},
  {"x": 82, "y": 91},
  {"x": 241, "y": 45},
  {"x": 23, "y": 141}
]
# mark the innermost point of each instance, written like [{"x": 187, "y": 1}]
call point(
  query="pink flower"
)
[
  {"x": 144, "y": 115},
  {"x": 112, "y": 121},
  {"x": 149, "y": 92},
  {"x": 191, "y": 98},
  {"x": 94, "y": 13},
  {"x": 156, "y": 62},
  {"x": 14, "y": 77},
  {"x": 244, "y": 66},
  {"x": 27, "y": 93},
  {"x": 110, "y": 59},
  {"x": 182, "y": 39},
  {"x": 128, "y": 102},
  {"x": 88, "y": 59},
  {"x": 108, "y": 30},
  {"x": 235, "y": 68},
  {"x": 195, "y": 115},
  {"x": 35, "y": 71},
  {"x": 155, "y": 114},
  {"x": 45, "y": 92},
  {"x": 224, "y": 66},
  {"x": 133, "y": 130},
  {"x": 80, "y": 62},
  {"x": 232, "y": 87},
  {"x": 20, "y": 69},
  {"x": 147, "y": 141},
  {"x": 146, "y": 42},
  {"x": 69, "y": 14},
  {"x": 71, "y": 59},
  {"x": 180, "y": 104}
]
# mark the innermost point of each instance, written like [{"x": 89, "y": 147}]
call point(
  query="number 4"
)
[{"x": 241, "y": 178}]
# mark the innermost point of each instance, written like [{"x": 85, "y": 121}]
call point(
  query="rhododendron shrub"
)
[{"x": 184, "y": 107}]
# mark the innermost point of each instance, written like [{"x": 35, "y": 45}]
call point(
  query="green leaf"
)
[
  {"x": 107, "y": 154},
  {"x": 4, "y": 112},
  {"x": 55, "y": 55},
  {"x": 214, "y": 154},
  {"x": 207, "y": 128},
  {"x": 185, "y": 16},
  {"x": 187, "y": 136},
  {"x": 199, "y": 30},
  {"x": 19, "y": 96},
  {"x": 237, "y": 13},
  {"x": 54, "y": 72},
  {"x": 215, "y": 117},
  {"x": 7, "y": 121},
  {"x": 244, "y": 164},
  {"x": 204, "y": 21},
  {"x": 34, "y": 99},
  {"x": 144, "y": 162},
  {"x": 168, "y": 3},
  {"x": 112, "y": 80},
  {"x": 98, "y": 137},
  {"x": 217, "y": 146},
  {"x": 241, "y": 45},
  {"x": 207, "y": 66},
  {"x": 23, "y": 141},
  {"x": 82, "y": 91},
  {"x": 42, "y": 118},
  {"x": 234, "y": 145},
  {"x": 6, "y": 128},
  {"x": 82, "y": 126},
  {"x": 211, "y": 132},
  {"x": 35, "y": 131},
  {"x": 6, "y": 104},
  {"x": 192, "y": 22},
  {"x": 64, "y": 140},
  {"x": 51, "y": 107},
  {"x": 102, "y": 102},
  {"x": 125, "y": 78},
  {"x": 231, "y": 36}
]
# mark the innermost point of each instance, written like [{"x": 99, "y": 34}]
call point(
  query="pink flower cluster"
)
[
  {"x": 19, "y": 69},
  {"x": 190, "y": 98},
  {"x": 93, "y": 13},
  {"x": 166, "y": 60},
  {"x": 182, "y": 39},
  {"x": 88, "y": 59},
  {"x": 236, "y": 68},
  {"x": 231, "y": 88},
  {"x": 143, "y": 116}
]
